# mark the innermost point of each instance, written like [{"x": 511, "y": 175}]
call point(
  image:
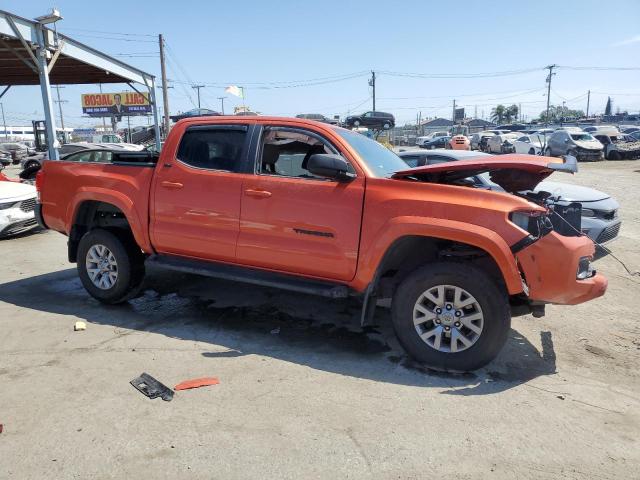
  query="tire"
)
[
  {"x": 356, "y": 123},
  {"x": 129, "y": 266},
  {"x": 615, "y": 156},
  {"x": 31, "y": 163},
  {"x": 386, "y": 126},
  {"x": 532, "y": 151},
  {"x": 492, "y": 303},
  {"x": 547, "y": 152}
]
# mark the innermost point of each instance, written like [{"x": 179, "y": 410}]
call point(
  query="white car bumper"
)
[{"x": 15, "y": 220}]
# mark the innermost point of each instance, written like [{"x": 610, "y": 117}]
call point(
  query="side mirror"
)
[{"x": 330, "y": 166}]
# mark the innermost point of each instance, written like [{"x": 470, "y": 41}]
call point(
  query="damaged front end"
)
[{"x": 553, "y": 257}]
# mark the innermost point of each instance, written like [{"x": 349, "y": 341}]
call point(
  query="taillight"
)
[{"x": 39, "y": 183}]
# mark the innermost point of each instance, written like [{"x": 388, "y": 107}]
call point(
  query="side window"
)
[
  {"x": 286, "y": 153},
  {"x": 90, "y": 156},
  {"x": 213, "y": 149},
  {"x": 411, "y": 160},
  {"x": 524, "y": 139},
  {"x": 368, "y": 114},
  {"x": 434, "y": 159}
]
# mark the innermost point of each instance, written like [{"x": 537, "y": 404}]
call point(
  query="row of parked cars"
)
[{"x": 589, "y": 144}]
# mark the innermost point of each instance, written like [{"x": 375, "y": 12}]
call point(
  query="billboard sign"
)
[
  {"x": 118, "y": 104},
  {"x": 459, "y": 114}
]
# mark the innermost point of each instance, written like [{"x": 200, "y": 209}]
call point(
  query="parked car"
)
[
  {"x": 374, "y": 120},
  {"x": 17, "y": 151},
  {"x": 323, "y": 210},
  {"x": 477, "y": 137},
  {"x": 436, "y": 142},
  {"x": 17, "y": 204},
  {"x": 318, "y": 117},
  {"x": 503, "y": 143},
  {"x": 635, "y": 135},
  {"x": 617, "y": 146},
  {"x": 459, "y": 142},
  {"x": 5, "y": 158},
  {"x": 599, "y": 218},
  {"x": 629, "y": 129},
  {"x": 420, "y": 141},
  {"x": 531, "y": 144},
  {"x": 581, "y": 145}
]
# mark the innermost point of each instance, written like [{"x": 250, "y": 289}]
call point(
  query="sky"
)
[{"x": 295, "y": 56}]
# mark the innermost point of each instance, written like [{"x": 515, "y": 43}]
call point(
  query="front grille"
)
[
  {"x": 609, "y": 233},
  {"x": 19, "y": 227},
  {"x": 28, "y": 205}
]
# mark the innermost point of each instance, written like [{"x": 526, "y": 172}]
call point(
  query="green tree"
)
[
  {"x": 607, "y": 109},
  {"x": 498, "y": 114},
  {"x": 511, "y": 113}
]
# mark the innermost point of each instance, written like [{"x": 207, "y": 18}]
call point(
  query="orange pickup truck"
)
[{"x": 318, "y": 209}]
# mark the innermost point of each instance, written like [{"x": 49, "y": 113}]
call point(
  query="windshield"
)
[
  {"x": 581, "y": 137},
  {"x": 381, "y": 161}
]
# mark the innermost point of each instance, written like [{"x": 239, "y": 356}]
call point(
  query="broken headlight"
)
[
  {"x": 533, "y": 222},
  {"x": 5, "y": 206}
]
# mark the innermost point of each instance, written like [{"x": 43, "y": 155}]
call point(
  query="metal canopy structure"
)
[{"x": 32, "y": 54}]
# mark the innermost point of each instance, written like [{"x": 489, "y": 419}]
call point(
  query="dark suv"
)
[{"x": 376, "y": 120}]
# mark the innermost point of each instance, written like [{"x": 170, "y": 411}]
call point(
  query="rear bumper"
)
[{"x": 550, "y": 266}]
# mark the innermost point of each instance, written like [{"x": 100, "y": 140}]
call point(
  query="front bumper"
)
[
  {"x": 14, "y": 221},
  {"x": 550, "y": 266},
  {"x": 590, "y": 155}
]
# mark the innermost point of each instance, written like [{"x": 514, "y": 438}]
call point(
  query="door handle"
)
[
  {"x": 257, "y": 193},
  {"x": 174, "y": 185}
]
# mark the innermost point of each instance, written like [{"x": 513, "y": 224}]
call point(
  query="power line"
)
[
  {"x": 461, "y": 75},
  {"x": 566, "y": 67},
  {"x": 111, "y": 33}
]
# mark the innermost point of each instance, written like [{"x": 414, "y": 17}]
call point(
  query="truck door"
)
[
  {"x": 294, "y": 221},
  {"x": 195, "y": 207}
]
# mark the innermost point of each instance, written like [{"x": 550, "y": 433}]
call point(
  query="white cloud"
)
[{"x": 628, "y": 41}]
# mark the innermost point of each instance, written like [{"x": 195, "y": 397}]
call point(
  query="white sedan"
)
[
  {"x": 532, "y": 144},
  {"x": 17, "y": 204}
]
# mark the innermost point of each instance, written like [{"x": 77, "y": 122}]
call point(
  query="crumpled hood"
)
[
  {"x": 514, "y": 173},
  {"x": 589, "y": 144}
]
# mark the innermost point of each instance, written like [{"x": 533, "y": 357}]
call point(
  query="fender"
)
[
  {"x": 123, "y": 202},
  {"x": 475, "y": 235}
]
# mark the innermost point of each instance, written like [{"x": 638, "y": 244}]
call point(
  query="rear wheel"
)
[
  {"x": 532, "y": 151},
  {"x": 111, "y": 267},
  {"x": 386, "y": 126},
  {"x": 356, "y": 123},
  {"x": 451, "y": 316}
]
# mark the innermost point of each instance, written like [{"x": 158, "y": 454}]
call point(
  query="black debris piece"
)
[{"x": 152, "y": 388}]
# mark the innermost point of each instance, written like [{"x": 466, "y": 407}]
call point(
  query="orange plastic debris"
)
[{"x": 197, "y": 383}]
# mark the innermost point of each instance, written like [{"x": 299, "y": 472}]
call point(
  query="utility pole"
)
[
  {"x": 198, "y": 87},
  {"x": 104, "y": 122},
  {"x": 475, "y": 112},
  {"x": 372, "y": 83},
  {"x": 520, "y": 112},
  {"x": 222, "y": 103},
  {"x": 165, "y": 95},
  {"x": 60, "y": 102},
  {"x": 588, "y": 100},
  {"x": 550, "y": 67},
  {"x": 454, "y": 111},
  {"x": 4, "y": 122}
]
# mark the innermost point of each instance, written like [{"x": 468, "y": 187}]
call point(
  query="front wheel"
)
[
  {"x": 451, "y": 316},
  {"x": 356, "y": 123},
  {"x": 111, "y": 267},
  {"x": 532, "y": 151}
]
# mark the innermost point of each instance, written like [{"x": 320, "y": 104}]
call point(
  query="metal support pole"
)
[
  {"x": 4, "y": 122},
  {"x": 45, "y": 88},
  {"x": 372, "y": 84},
  {"x": 588, "y": 100},
  {"x": 165, "y": 94},
  {"x": 198, "y": 87},
  {"x": 154, "y": 108},
  {"x": 222, "y": 103}
]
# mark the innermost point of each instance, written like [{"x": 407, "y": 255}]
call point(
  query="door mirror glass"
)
[{"x": 330, "y": 166}]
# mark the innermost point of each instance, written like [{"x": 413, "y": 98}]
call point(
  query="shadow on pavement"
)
[{"x": 307, "y": 330}]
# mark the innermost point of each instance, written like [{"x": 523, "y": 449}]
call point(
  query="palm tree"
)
[
  {"x": 498, "y": 114},
  {"x": 511, "y": 113}
]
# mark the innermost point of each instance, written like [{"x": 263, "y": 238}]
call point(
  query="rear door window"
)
[{"x": 214, "y": 147}]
